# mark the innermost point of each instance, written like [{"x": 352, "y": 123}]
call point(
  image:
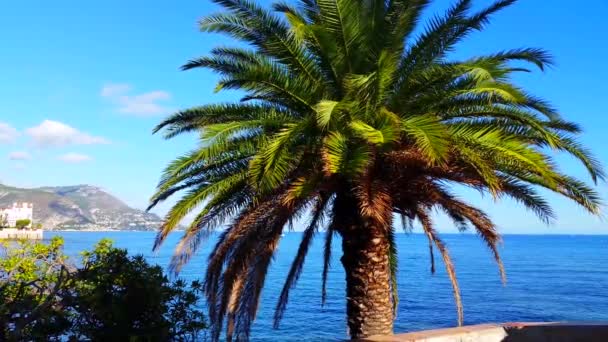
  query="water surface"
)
[{"x": 550, "y": 278}]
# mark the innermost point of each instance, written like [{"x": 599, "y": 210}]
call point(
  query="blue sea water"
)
[{"x": 550, "y": 278}]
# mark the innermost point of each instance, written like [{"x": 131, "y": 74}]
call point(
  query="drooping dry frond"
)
[
  {"x": 431, "y": 254},
  {"x": 427, "y": 225},
  {"x": 326, "y": 262},
  {"x": 238, "y": 263},
  {"x": 317, "y": 217},
  {"x": 482, "y": 223}
]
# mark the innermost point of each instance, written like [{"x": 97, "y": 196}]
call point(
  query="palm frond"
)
[
  {"x": 402, "y": 16},
  {"x": 329, "y": 234},
  {"x": 393, "y": 261},
  {"x": 317, "y": 217},
  {"x": 269, "y": 34},
  {"x": 193, "y": 198},
  {"x": 240, "y": 260},
  {"x": 483, "y": 225},
  {"x": 340, "y": 18},
  {"x": 427, "y": 225},
  {"x": 429, "y": 135}
]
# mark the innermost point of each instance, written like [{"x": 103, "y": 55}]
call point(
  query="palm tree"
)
[{"x": 351, "y": 119}]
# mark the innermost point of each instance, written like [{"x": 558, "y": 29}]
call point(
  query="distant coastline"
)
[
  {"x": 107, "y": 230},
  {"x": 98, "y": 230},
  {"x": 560, "y": 234},
  {"x": 77, "y": 207}
]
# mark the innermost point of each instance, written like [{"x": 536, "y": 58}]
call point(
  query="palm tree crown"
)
[{"x": 352, "y": 119}]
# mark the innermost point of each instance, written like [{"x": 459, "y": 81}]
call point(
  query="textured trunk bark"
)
[{"x": 365, "y": 259}]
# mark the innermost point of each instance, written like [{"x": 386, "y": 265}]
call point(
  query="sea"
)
[{"x": 549, "y": 278}]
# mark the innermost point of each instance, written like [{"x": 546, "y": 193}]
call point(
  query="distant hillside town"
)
[
  {"x": 18, "y": 211},
  {"x": 75, "y": 207}
]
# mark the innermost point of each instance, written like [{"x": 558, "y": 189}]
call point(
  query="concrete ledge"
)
[
  {"x": 508, "y": 332},
  {"x": 17, "y": 234}
]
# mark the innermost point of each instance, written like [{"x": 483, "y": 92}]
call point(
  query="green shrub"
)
[
  {"x": 21, "y": 224},
  {"x": 32, "y": 278},
  {"x": 43, "y": 296}
]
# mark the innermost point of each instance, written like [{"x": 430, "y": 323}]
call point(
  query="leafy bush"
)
[
  {"x": 110, "y": 296},
  {"x": 32, "y": 279},
  {"x": 21, "y": 224}
]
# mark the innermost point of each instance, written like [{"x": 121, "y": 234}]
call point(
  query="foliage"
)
[
  {"x": 345, "y": 102},
  {"x": 110, "y": 296},
  {"x": 3, "y": 221},
  {"x": 33, "y": 277},
  {"x": 187, "y": 321},
  {"x": 22, "y": 224}
]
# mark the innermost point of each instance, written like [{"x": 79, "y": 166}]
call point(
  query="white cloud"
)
[
  {"x": 145, "y": 104},
  {"x": 8, "y": 133},
  {"x": 55, "y": 134},
  {"x": 75, "y": 158},
  {"x": 19, "y": 155},
  {"x": 116, "y": 89}
]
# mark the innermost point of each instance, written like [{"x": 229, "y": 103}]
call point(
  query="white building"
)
[{"x": 19, "y": 211}]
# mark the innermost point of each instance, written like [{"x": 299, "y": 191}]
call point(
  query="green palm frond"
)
[
  {"x": 440, "y": 34},
  {"x": 339, "y": 157},
  {"x": 195, "y": 197},
  {"x": 251, "y": 23},
  {"x": 194, "y": 119},
  {"x": 341, "y": 19},
  {"x": 402, "y": 16},
  {"x": 539, "y": 57},
  {"x": 325, "y": 111},
  {"x": 223, "y": 206},
  {"x": 429, "y": 135},
  {"x": 367, "y": 132},
  {"x": 277, "y": 158}
]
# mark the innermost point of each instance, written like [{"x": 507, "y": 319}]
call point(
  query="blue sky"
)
[{"x": 84, "y": 82}]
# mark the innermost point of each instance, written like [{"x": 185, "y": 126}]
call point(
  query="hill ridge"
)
[{"x": 79, "y": 207}]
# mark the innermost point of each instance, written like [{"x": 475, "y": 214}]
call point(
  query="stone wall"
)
[
  {"x": 16, "y": 234},
  {"x": 508, "y": 332}
]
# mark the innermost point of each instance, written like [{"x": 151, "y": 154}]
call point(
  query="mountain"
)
[{"x": 81, "y": 207}]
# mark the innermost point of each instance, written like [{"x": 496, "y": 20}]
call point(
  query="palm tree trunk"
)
[{"x": 365, "y": 259}]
